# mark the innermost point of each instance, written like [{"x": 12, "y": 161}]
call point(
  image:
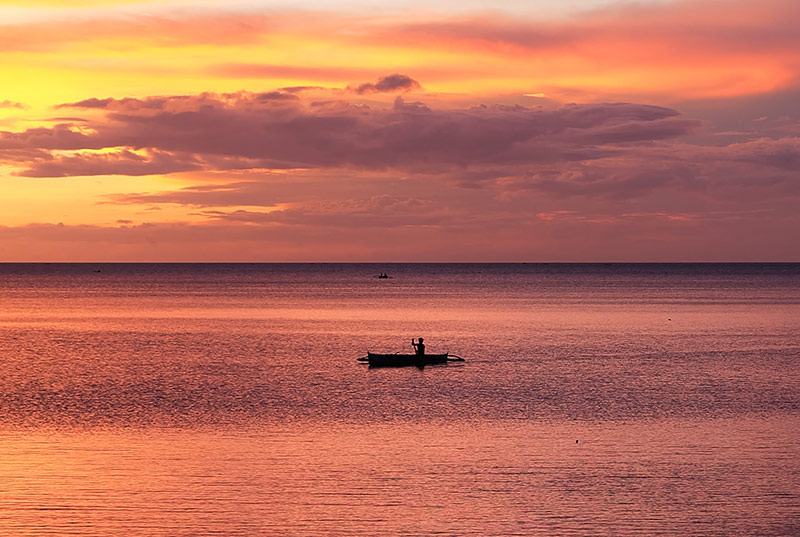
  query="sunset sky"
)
[{"x": 263, "y": 130}]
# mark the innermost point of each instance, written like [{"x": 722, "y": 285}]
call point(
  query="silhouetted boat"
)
[{"x": 401, "y": 360}]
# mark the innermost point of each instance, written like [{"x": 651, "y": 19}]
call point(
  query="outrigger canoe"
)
[{"x": 401, "y": 360}]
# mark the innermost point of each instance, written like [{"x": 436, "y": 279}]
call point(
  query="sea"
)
[{"x": 227, "y": 399}]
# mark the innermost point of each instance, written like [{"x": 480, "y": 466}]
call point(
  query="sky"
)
[{"x": 431, "y": 131}]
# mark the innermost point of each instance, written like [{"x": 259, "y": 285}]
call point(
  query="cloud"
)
[
  {"x": 61, "y": 136},
  {"x": 621, "y": 182},
  {"x": 123, "y": 162},
  {"x": 12, "y": 104},
  {"x": 677, "y": 49},
  {"x": 562, "y": 235},
  {"x": 209, "y": 29},
  {"x": 672, "y": 49},
  {"x": 378, "y": 211},
  {"x": 389, "y": 84},
  {"x": 758, "y": 171},
  {"x": 309, "y": 168},
  {"x": 783, "y": 153},
  {"x": 265, "y": 192},
  {"x": 94, "y": 102},
  {"x": 617, "y": 153},
  {"x": 733, "y": 26},
  {"x": 279, "y": 130},
  {"x": 260, "y": 188},
  {"x": 333, "y": 152}
]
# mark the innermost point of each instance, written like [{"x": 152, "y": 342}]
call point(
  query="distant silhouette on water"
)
[
  {"x": 419, "y": 358},
  {"x": 383, "y": 275}
]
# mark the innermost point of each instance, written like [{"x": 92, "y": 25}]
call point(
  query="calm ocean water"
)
[{"x": 172, "y": 400}]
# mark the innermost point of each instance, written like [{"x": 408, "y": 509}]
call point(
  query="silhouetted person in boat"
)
[{"x": 418, "y": 347}]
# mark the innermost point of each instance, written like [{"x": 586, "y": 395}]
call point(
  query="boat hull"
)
[{"x": 401, "y": 360}]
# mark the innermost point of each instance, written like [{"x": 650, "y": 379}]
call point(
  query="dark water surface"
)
[{"x": 171, "y": 400}]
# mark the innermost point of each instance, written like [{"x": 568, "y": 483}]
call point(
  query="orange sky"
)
[{"x": 216, "y": 131}]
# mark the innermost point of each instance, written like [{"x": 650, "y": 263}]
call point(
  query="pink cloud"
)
[
  {"x": 378, "y": 211},
  {"x": 389, "y": 84},
  {"x": 61, "y": 136},
  {"x": 12, "y": 104},
  {"x": 593, "y": 237},
  {"x": 278, "y": 130},
  {"x": 744, "y": 46},
  {"x": 216, "y": 28},
  {"x": 122, "y": 162},
  {"x": 695, "y": 28},
  {"x": 609, "y": 151},
  {"x": 365, "y": 182}
]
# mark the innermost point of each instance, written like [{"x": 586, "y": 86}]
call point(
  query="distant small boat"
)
[
  {"x": 402, "y": 360},
  {"x": 383, "y": 276}
]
